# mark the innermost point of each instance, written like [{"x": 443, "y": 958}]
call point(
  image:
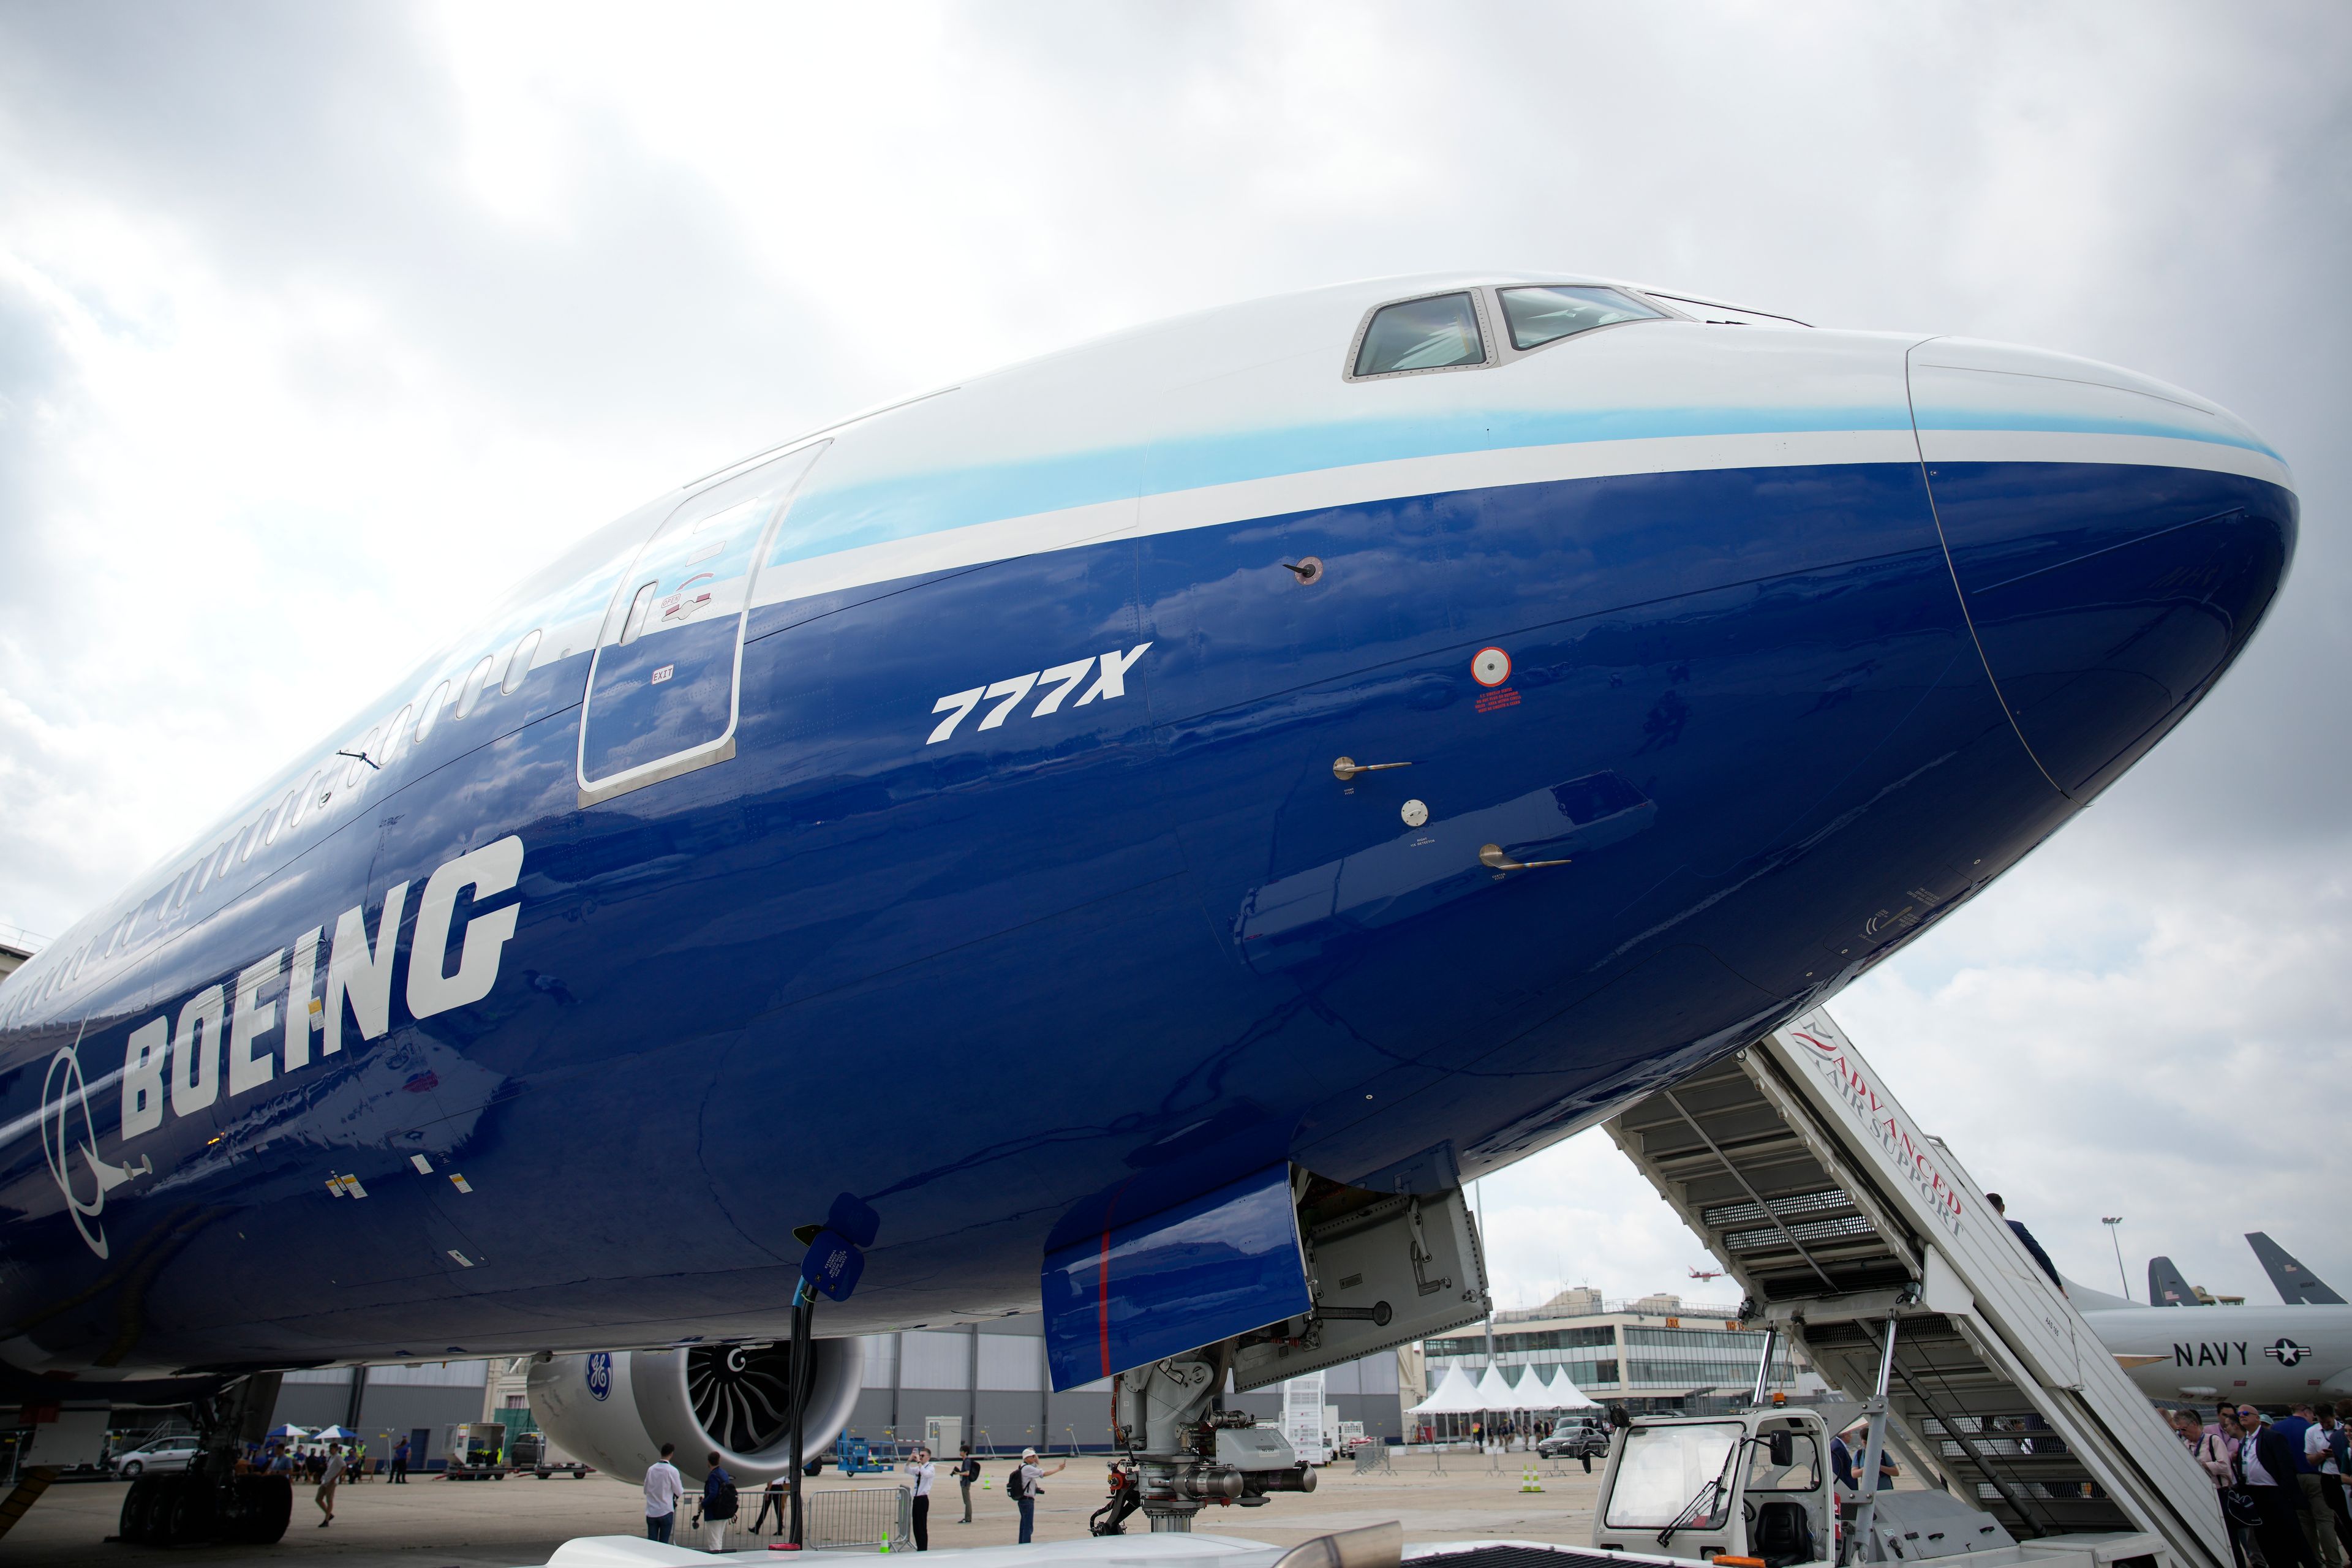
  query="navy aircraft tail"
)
[
  {"x": 2297, "y": 1286},
  {"x": 2167, "y": 1287}
]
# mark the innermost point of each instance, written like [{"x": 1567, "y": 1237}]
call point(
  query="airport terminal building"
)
[{"x": 1654, "y": 1353}]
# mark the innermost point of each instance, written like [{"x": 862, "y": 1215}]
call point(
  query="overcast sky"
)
[{"x": 321, "y": 324}]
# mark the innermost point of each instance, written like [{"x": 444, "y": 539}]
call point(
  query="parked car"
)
[
  {"x": 166, "y": 1454},
  {"x": 1575, "y": 1437}
]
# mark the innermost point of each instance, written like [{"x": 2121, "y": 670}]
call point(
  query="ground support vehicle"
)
[
  {"x": 1863, "y": 1240},
  {"x": 534, "y": 1455},
  {"x": 1757, "y": 1488},
  {"x": 855, "y": 1457},
  {"x": 476, "y": 1451}
]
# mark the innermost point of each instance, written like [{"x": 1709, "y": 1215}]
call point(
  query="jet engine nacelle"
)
[{"x": 615, "y": 1409}]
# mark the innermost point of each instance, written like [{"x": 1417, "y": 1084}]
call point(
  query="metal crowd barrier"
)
[{"x": 858, "y": 1516}]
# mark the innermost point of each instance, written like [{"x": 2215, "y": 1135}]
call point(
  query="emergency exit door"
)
[{"x": 663, "y": 684}]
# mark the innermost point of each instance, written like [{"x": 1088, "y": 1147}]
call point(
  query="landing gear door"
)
[
  {"x": 1398, "y": 1269},
  {"x": 663, "y": 685}
]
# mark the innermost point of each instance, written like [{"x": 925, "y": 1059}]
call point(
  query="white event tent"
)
[
  {"x": 1454, "y": 1394},
  {"x": 1565, "y": 1394},
  {"x": 1493, "y": 1393}
]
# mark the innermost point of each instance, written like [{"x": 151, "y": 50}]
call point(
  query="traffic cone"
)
[
  {"x": 1527, "y": 1482},
  {"x": 885, "y": 1543}
]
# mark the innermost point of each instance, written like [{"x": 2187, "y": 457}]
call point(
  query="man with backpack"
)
[
  {"x": 1023, "y": 1485},
  {"x": 967, "y": 1471},
  {"x": 718, "y": 1505}
]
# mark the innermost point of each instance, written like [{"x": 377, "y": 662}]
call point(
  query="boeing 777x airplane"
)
[{"x": 1132, "y": 834}]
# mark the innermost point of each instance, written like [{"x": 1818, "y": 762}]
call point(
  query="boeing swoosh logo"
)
[{"x": 63, "y": 1096}]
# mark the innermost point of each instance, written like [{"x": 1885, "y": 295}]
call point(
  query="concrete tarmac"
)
[{"x": 498, "y": 1524}]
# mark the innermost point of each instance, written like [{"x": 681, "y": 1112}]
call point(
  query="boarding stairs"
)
[{"x": 1845, "y": 1224}]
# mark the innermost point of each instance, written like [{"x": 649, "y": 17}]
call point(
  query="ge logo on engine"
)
[{"x": 600, "y": 1375}]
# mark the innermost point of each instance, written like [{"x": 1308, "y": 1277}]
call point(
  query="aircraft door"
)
[{"x": 661, "y": 686}]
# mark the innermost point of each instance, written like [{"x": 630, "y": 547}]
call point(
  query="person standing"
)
[
  {"x": 2311, "y": 1502},
  {"x": 2217, "y": 1455},
  {"x": 967, "y": 1471},
  {"x": 719, "y": 1503},
  {"x": 328, "y": 1479},
  {"x": 2324, "y": 1446},
  {"x": 2026, "y": 1237},
  {"x": 1027, "y": 1478},
  {"x": 920, "y": 1473},
  {"x": 2266, "y": 1467},
  {"x": 400, "y": 1463},
  {"x": 1844, "y": 1465},
  {"x": 772, "y": 1499},
  {"x": 665, "y": 1489}
]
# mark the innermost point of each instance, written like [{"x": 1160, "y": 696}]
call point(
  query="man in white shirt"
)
[
  {"x": 2318, "y": 1520},
  {"x": 2266, "y": 1465},
  {"x": 1026, "y": 1478},
  {"x": 325, "y": 1496},
  {"x": 920, "y": 1473},
  {"x": 665, "y": 1489}
]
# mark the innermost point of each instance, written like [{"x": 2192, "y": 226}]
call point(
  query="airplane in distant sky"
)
[{"x": 1454, "y": 707}]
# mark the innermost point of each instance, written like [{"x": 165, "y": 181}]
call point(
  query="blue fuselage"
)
[{"x": 1775, "y": 715}]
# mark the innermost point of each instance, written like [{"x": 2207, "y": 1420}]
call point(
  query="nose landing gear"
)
[{"x": 1183, "y": 1453}]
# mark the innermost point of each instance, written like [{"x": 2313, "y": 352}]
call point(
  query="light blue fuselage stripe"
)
[
  {"x": 826, "y": 521},
  {"x": 907, "y": 506}
]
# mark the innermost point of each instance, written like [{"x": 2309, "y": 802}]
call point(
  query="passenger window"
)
[
  {"x": 215, "y": 864},
  {"x": 392, "y": 735},
  {"x": 432, "y": 713},
  {"x": 1539, "y": 316},
  {"x": 1421, "y": 334},
  {"x": 282, "y": 817},
  {"x": 519, "y": 662},
  {"x": 361, "y": 755},
  {"x": 470, "y": 695},
  {"x": 307, "y": 797}
]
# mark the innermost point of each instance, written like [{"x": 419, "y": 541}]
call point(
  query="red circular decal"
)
[{"x": 1490, "y": 667}]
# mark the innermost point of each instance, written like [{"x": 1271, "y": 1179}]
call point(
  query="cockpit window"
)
[
  {"x": 1421, "y": 334},
  {"x": 1538, "y": 316}
]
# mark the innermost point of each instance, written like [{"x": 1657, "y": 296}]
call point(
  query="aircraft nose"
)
[{"x": 2114, "y": 539}]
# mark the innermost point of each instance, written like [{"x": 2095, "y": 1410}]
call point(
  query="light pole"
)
[
  {"x": 2113, "y": 1222},
  {"x": 1486, "y": 1247}
]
